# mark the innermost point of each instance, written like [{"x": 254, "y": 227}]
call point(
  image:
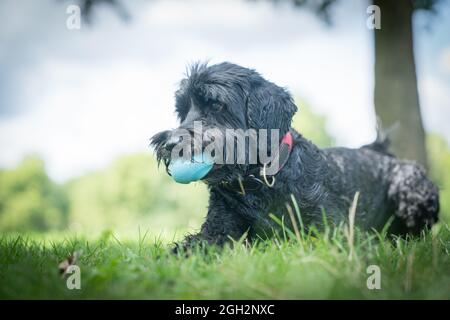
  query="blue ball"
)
[{"x": 185, "y": 171}]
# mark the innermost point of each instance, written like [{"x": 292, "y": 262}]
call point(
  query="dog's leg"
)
[
  {"x": 222, "y": 223},
  {"x": 415, "y": 198}
]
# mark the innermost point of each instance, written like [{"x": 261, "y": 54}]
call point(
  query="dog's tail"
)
[{"x": 382, "y": 142}]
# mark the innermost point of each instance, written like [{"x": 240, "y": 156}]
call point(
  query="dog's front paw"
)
[
  {"x": 199, "y": 242},
  {"x": 189, "y": 244}
]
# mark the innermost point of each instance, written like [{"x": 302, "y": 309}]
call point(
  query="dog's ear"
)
[{"x": 270, "y": 107}]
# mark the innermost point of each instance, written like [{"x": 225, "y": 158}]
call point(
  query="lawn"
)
[{"x": 294, "y": 265}]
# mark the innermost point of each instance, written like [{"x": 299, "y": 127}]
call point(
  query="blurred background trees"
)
[
  {"x": 133, "y": 192},
  {"x": 29, "y": 200},
  {"x": 129, "y": 193}
]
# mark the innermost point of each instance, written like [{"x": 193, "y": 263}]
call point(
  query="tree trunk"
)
[{"x": 396, "y": 97}]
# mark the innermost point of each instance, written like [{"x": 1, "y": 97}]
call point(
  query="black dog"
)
[{"x": 321, "y": 180}]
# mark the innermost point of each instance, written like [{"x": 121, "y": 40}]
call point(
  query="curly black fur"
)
[{"x": 322, "y": 180}]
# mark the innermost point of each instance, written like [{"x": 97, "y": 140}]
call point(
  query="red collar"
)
[{"x": 285, "y": 149}]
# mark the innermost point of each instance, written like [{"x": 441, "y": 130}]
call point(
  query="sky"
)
[{"x": 81, "y": 98}]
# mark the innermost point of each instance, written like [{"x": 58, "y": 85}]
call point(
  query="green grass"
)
[{"x": 293, "y": 265}]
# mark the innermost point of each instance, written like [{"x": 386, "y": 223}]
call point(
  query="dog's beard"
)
[{"x": 158, "y": 142}]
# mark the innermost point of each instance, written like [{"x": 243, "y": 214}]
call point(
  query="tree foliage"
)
[
  {"x": 29, "y": 200},
  {"x": 133, "y": 191},
  {"x": 439, "y": 159},
  {"x": 312, "y": 126}
]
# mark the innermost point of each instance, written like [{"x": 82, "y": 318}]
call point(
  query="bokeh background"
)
[{"x": 77, "y": 107}]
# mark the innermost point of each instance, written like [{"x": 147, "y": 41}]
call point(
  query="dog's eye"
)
[{"x": 217, "y": 106}]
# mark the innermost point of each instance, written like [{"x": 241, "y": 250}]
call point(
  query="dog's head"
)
[{"x": 212, "y": 99}]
